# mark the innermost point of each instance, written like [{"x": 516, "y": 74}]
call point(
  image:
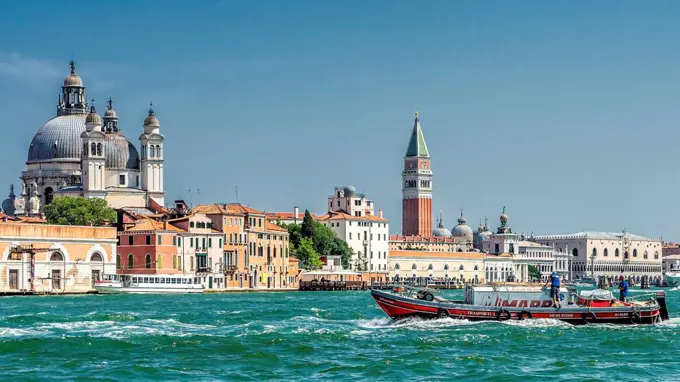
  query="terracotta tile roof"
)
[
  {"x": 240, "y": 208},
  {"x": 183, "y": 218},
  {"x": 32, "y": 220},
  {"x": 211, "y": 209},
  {"x": 339, "y": 215},
  {"x": 446, "y": 255},
  {"x": 146, "y": 224},
  {"x": 287, "y": 215},
  {"x": 273, "y": 227},
  {"x": 293, "y": 260}
]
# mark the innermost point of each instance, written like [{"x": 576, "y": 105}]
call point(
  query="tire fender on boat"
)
[
  {"x": 442, "y": 313},
  {"x": 589, "y": 317},
  {"x": 525, "y": 314},
  {"x": 635, "y": 317},
  {"x": 428, "y": 296},
  {"x": 503, "y": 315}
]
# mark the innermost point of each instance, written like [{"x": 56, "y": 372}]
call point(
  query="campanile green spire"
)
[{"x": 416, "y": 145}]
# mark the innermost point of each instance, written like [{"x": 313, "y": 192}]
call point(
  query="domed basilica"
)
[{"x": 79, "y": 153}]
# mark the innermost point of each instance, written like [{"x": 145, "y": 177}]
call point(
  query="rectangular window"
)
[
  {"x": 118, "y": 242},
  {"x": 210, "y": 243},
  {"x": 159, "y": 240},
  {"x": 179, "y": 241},
  {"x": 350, "y": 236},
  {"x": 122, "y": 180},
  {"x": 130, "y": 240},
  {"x": 496, "y": 248},
  {"x": 191, "y": 242},
  {"x": 174, "y": 240},
  {"x": 203, "y": 243},
  {"x": 148, "y": 239},
  {"x": 259, "y": 222},
  {"x": 220, "y": 243}
]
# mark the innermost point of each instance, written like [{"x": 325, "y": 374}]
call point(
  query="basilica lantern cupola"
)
[
  {"x": 72, "y": 100},
  {"x": 151, "y": 141},
  {"x": 110, "y": 118}
]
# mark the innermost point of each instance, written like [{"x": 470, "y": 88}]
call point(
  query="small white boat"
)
[
  {"x": 672, "y": 277},
  {"x": 131, "y": 283},
  {"x": 585, "y": 282}
]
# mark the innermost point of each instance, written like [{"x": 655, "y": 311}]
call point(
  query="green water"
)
[{"x": 310, "y": 335}]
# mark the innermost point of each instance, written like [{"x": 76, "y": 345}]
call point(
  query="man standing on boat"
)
[
  {"x": 554, "y": 281},
  {"x": 623, "y": 289}
]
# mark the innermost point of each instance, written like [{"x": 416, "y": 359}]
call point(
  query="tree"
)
[
  {"x": 68, "y": 210},
  {"x": 307, "y": 225},
  {"x": 307, "y": 255},
  {"x": 324, "y": 241},
  {"x": 534, "y": 273}
]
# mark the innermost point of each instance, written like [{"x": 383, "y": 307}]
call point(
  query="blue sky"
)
[{"x": 566, "y": 112}]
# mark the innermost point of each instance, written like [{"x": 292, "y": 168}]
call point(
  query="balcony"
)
[
  {"x": 203, "y": 270},
  {"x": 230, "y": 269}
]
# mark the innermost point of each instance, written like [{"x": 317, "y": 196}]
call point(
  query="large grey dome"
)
[
  {"x": 58, "y": 139},
  {"x": 120, "y": 152}
]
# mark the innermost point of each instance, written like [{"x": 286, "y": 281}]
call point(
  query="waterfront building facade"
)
[
  {"x": 367, "y": 235},
  {"x": 77, "y": 153},
  {"x": 669, "y": 249},
  {"x": 67, "y": 259},
  {"x": 455, "y": 266},
  {"x": 608, "y": 254},
  {"x": 257, "y": 251},
  {"x": 346, "y": 199}
]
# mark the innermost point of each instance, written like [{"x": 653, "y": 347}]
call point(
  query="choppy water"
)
[{"x": 319, "y": 335}]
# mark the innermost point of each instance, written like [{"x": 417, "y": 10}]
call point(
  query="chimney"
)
[
  {"x": 380, "y": 214},
  {"x": 296, "y": 211}
]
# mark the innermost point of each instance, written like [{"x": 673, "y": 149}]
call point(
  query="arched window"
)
[
  {"x": 131, "y": 261},
  {"x": 49, "y": 195},
  {"x": 646, "y": 255},
  {"x": 446, "y": 267},
  {"x": 99, "y": 149},
  {"x": 635, "y": 252},
  {"x": 179, "y": 262},
  {"x": 476, "y": 268},
  {"x": 159, "y": 260},
  {"x": 147, "y": 261},
  {"x": 656, "y": 255},
  {"x": 118, "y": 261},
  {"x": 57, "y": 256},
  {"x": 158, "y": 151},
  {"x": 430, "y": 267},
  {"x": 594, "y": 252},
  {"x": 93, "y": 149},
  {"x": 461, "y": 268},
  {"x": 574, "y": 252},
  {"x": 174, "y": 261},
  {"x": 616, "y": 253},
  {"x": 396, "y": 266},
  {"x": 96, "y": 257},
  {"x": 414, "y": 266},
  {"x": 606, "y": 252},
  {"x": 152, "y": 153}
]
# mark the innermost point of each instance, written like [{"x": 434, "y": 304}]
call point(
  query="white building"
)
[
  {"x": 510, "y": 255},
  {"x": 608, "y": 254},
  {"x": 77, "y": 153},
  {"x": 366, "y": 235},
  {"x": 346, "y": 199}
]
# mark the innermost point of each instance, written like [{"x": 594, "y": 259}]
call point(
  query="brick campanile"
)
[{"x": 416, "y": 213}]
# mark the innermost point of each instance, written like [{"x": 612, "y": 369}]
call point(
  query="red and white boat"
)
[{"x": 521, "y": 302}]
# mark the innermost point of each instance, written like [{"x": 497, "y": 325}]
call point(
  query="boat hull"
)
[
  {"x": 141, "y": 290},
  {"x": 672, "y": 279},
  {"x": 398, "y": 307}
]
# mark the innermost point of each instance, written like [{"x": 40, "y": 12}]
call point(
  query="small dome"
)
[
  {"x": 120, "y": 152},
  {"x": 110, "y": 113},
  {"x": 93, "y": 117},
  {"x": 504, "y": 217},
  {"x": 440, "y": 231},
  {"x": 151, "y": 120},
  {"x": 462, "y": 229},
  {"x": 73, "y": 80}
]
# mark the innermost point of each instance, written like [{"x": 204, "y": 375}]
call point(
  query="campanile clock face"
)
[{"x": 423, "y": 165}]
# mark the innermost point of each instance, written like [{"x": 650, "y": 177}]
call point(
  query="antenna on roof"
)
[{"x": 236, "y": 188}]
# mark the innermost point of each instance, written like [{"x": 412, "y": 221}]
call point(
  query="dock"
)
[{"x": 326, "y": 285}]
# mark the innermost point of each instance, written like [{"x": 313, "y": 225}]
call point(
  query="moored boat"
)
[
  {"x": 132, "y": 283},
  {"x": 520, "y": 302},
  {"x": 672, "y": 277}
]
